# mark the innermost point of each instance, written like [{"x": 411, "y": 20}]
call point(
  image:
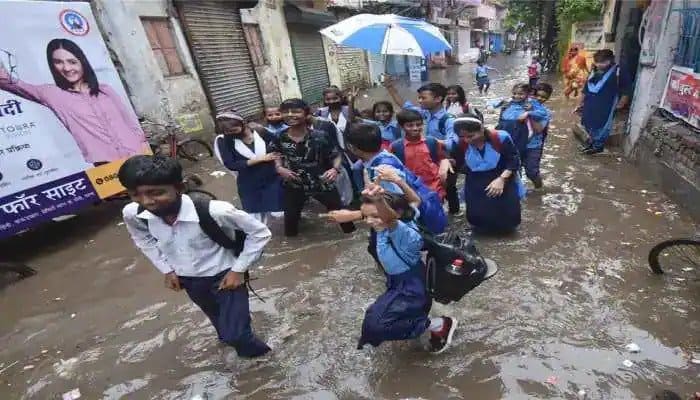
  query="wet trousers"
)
[
  {"x": 531, "y": 162},
  {"x": 452, "y": 193},
  {"x": 294, "y": 202},
  {"x": 228, "y": 311}
]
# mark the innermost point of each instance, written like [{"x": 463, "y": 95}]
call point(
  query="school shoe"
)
[{"x": 440, "y": 341}]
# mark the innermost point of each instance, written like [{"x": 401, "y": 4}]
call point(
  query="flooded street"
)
[{"x": 573, "y": 290}]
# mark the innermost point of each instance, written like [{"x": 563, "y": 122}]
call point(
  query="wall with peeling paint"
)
[
  {"x": 155, "y": 97},
  {"x": 278, "y": 78}
]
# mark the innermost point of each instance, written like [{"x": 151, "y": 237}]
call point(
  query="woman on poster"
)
[{"x": 104, "y": 128}]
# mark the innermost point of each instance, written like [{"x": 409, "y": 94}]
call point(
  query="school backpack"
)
[
  {"x": 432, "y": 215},
  {"x": 443, "y": 121},
  {"x": 443, "y": 285},
  {"x": 398, "y": 148},
  {"x": 214, "y": 231}
]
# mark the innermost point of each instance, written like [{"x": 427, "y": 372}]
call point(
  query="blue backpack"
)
[
  {"x": 432, "y": 215},
  {"x": 399, "y": 150}
]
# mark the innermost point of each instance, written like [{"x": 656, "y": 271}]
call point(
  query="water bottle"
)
[{"x": 456, "y": 268}]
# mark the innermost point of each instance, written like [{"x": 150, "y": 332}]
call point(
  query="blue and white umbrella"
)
[{"x": 388, "y": 34}]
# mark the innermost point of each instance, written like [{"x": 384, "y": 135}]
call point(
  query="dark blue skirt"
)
[
  {"x": 400, "y": 313},
  {"x": 491, "y": 214}
]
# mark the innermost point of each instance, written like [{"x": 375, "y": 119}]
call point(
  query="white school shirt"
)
[{"x": 185, "y": 249}]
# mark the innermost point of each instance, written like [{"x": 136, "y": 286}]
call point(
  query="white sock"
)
[{"x": 435, "y": 324}]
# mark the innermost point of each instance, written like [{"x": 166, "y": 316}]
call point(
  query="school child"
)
[
  {"x": 424, "y": 156},
  {"x": 533, "y": 71},
  {"x": 204, "y": 247},
  {"x": 309, "y": 165},
  {"x": 515, "y": 114},
  {"x": 274, "y": 123},
  {"x": 383, "y": 112},
  {"x": 481, "y": 74},
  {"x": 492, "y": 189},
  {"x": 438, "y": 122},
  {"x": 538, "y": 134},
  {"x": 456, "y": 102},
  {"x": 245, "y": 152},
  {"x": 401, "y": 312},
  {"x": 338, "y": 109},
  {"x": 607, "y": 89}
]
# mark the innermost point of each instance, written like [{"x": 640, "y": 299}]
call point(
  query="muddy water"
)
[{"x": 573, "y": 290}]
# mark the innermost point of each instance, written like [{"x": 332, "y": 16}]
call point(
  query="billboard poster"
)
[
  {"x": 682, "y": 95},
  {"x": 64, "y": 113}
]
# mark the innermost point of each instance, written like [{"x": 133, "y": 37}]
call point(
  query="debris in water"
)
[
  {"x": 687, "y": 269},
  {"x": 120, "y": 224},
  {"x": 28, "y": 367},
  {"x": 581, "y": 394},
  {"x": 218, "y": 174},
  {"x": 72, "y": 315},
  {"x": 695, "y": 361},
  {"x": 658, "y": 213},
  {"x": 552, "y": 380},
  {"x": 633, "y": 348},
  {"x": 643, "y": 191},
  {"x": 44, "y": 351},
  {"x": 627, "y": 363},
  {"x": 72, "y": 395},
  {"x": 8, "y": 367},
  {"x": 611, "y": 187},
  {"x": 57, "y": 299}
]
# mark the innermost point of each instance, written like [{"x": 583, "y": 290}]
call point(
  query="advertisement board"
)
[
  {"x": 66, "y": 123},
  {"x": 682, "y": 95}
]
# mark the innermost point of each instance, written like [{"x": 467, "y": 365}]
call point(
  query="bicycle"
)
[
  {"x": 680, "y": 254},
  {"x": 192, "y": 149}
]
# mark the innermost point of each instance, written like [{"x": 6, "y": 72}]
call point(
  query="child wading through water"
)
[
  {"x": 183, "y": 239},
  {"x": 245, "y": 151},
  {"x": 401, "y": 313},
  {"x": 481, "y": 74},
  {"x": 456, "y": 102},
  {"x": 533, "y": 71},
  {"x": 309, "y": 165},
  {"x": 439, "y": 124},
  {"x": 424, "y": 156},
  {"x": 535, "y": 143}
]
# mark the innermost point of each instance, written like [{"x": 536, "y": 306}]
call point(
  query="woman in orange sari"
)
[{"x": 575, "y": 68}]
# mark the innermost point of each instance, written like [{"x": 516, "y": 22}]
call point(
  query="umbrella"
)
[{"x": 388, "y": 34}]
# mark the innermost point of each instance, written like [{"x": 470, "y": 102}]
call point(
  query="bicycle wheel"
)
[
  {"x": 677, "y": 254},
  {"x": 194, "y": 149}
]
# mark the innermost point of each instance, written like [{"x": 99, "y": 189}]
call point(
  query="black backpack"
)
[
  {"x": 443, "y": 250},
  {"x": 212, "y": 229}
]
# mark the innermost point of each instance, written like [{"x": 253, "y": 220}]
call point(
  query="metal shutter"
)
[
  {"x": 310, "y": 62},
  {"x": 218, "y": 43},
  {"x": 353, "y": 71}
]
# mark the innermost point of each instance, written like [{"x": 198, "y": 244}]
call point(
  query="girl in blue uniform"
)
[
  {"x": 245, "y": 152},
  {"x": 400, "y": 313},
  {"x": 607, "y": 89},
  {"x": 514, "y": 116},
  {"x": 492, "y": 185}
]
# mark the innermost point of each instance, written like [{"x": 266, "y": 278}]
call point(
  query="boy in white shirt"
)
[{"x": 204, "y": 247}]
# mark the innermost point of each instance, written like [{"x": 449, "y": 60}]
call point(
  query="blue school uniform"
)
[
  {"x": 433, "y": 123},
  {"x": 259, "y": 185},
  {"x": 390, "y": 130},
  {"x": 508, "y": 121},
  {"x": 402, "y": 311},
  {"x": 277, "y": 129},
  {"x": 535, "y": 145},
  {"x": 482, "y": 75},
  {"x": 600, "y": 95},
  {"x": 493, "y": 214}
]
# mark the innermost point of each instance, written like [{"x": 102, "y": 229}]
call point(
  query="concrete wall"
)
[
  {"x": 332, "y": 62},
  {"x": 154, "y": 96},
  {"x": 651, "y": 80},
  {"x": 278, "y": 80},
  {"x": 352, "y": 66}
]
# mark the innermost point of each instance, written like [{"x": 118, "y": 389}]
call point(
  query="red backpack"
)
[{"x": 493, "y": 139}]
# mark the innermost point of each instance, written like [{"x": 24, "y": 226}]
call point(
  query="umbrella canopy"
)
[{"x": 388, "y": 34}]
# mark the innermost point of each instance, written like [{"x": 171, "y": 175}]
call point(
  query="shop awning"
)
[{"x": 302, "y": 15}]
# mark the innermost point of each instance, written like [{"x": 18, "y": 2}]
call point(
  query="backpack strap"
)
[
  {"x": 495, "y": 140},
  {"x": 443, "y": 121},
  {"x": 434, "y": 148},
  {"x": 399, "y": 150}
]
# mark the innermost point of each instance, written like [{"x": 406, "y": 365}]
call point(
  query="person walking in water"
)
[{"x": 104, "y": 128}]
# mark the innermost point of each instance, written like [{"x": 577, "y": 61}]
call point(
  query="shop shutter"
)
[
  {"x": 218, "y": 43},
  {"x": 310, "y": 61}
]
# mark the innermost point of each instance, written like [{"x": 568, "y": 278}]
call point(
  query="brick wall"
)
[{"x": 352, "y": 66}]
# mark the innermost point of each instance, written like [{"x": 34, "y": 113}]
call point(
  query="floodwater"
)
[{"x": 572, "y": 292}]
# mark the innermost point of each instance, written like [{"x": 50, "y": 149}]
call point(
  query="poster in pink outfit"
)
[{"x": 64, "y": 113}]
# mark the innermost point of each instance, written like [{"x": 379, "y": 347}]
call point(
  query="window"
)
[
  {"x": 688, "y": 50},
  {"x": 160, "y": 36}
]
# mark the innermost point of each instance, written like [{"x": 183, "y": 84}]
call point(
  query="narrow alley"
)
[{"x": 574, "y": 289}]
